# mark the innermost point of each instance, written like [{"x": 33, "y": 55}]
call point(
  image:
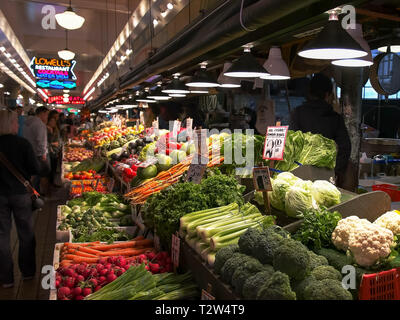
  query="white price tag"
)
[
  {"x": 189, "y": 130},
  {"x": 156, "y": 128},
  {"x": 175, "y": 250},
  {"x": 261, "y": 179},
  {"x": 274, "y": 145},
  {"x": 141, "y": 117},
  {"x": 175, "y": 130}
]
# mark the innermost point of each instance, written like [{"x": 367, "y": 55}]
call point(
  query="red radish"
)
[
  {"x": 77, "y": 291},
  {"x": 80, "y": 278},
  {"x": 86, "y": 292},
  {"x": 154, "y": 267},
  {"x": 118, "y": 272},
  {"x": 111, "y": 277},
  {"x": 99, "y": 267},
  {"x": 69, "y": 272},
  {"x": 168, "y": 260},
  {"x": 69, "y": 282},
  {"x": 79, "y": 297},
  {"x": 103, "y": 261},
  {"x": 58, "y": 283},
  {"x": 102, "y": 279},
  {"x": 111, "y": 260},
  {"x": 121, "y": 261},
  {"x": 147, "y": 268},
  {"x": 108, "y": 266},
  {"x": 93, "y": 282},
  {"x": 93, "y": 273},
  {"x": 63, "y": 292},
  {"x": 86, "y": 273},
  {"x": 103, "y": 272},
  {"x": 97, "y": 288},
  {"x": 151, "y": 255}
]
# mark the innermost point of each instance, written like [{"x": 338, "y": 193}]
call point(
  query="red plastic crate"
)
[
  {"x": 384, "y": 285},
  {"x": 392, "y": 190}
]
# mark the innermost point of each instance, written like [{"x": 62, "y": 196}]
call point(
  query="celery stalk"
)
[{"x": 191, "y": 228}]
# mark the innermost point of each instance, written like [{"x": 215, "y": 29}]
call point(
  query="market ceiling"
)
[{"x": 104, "y": 20}]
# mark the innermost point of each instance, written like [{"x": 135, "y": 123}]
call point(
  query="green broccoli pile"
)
[{"x": 269, "y": 265}]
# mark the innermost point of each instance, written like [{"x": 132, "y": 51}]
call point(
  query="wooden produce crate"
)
[{"x": 203, "y": 274}]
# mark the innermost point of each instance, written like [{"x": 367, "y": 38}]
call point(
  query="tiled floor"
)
[{"x": 45, "y": 230}]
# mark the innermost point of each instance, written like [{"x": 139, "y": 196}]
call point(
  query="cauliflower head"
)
[
  {"x": 369, "y": 243},
  {"x": 390, "y": 220},
  {"x": 341, "y": 234}
]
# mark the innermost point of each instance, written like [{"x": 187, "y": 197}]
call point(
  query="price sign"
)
[
  {"x": 189, "y": 130},
  {"x": 141, "y": 117},
  {"x": 110, "y": 184},
  {"x": 175, "y": 250},
  {"x": 201, "y": 155},
  {"x": 196, "y": 172},
  {"x": 274, "y": 145},
  {"x": 161, "y": 145},
  {"x": 175, "y": 129},
  {"x": 261, "y": 179},
  {"x": 206, "y": 295},
  {"x": 156, "y": 128},
  {"x": 150, "y": 161}
]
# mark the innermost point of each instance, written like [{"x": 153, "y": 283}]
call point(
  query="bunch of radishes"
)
[{"x": 79, "y": 280}]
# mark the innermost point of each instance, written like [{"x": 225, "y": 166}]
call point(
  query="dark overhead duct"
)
[{"x": 218, "y": 28}]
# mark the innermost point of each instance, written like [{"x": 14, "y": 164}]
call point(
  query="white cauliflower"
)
[
  {"x": 341, "y": 234},
  {"x": 366, "y": 241},
  {"x": 390, "y": 220},
  {"x": 369, "y": 243}
]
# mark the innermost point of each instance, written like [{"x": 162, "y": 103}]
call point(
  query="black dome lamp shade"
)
[
  {"x": 157, "y": 94},
  {"x": 246, "y": 66},
  {"x": 176, "y": 86},
  {"x": 203, "y": 79},
  {"x": 333, "y": 43},
  {"x": 143, "y": 98}
]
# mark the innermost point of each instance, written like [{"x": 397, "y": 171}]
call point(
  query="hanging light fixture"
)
[
  {"x": 276, "y": 66},
  {"x": 143, "y": 98},
  {"x": 246, "y": 66},
  {"x": 332, "y": 43},
  {"x": 203, "y": 79},
  {"x": 177, "y": 95},
  {"x": 158, "y": 94},
  {"x": 227, "y": 82},
  {"x": 199, "y": 90},
  {"x": 69, "y": 19},
  {"x": 66, "y": 54},
  {"x": 365, "y": 61},
  {"x": 176, "y": 86},
  {"x": 395, "y": 48}
]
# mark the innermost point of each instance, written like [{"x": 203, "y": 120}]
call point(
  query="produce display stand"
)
[
  {"x": 203, "y": 275},
  {"x": 120, "y": 184}
]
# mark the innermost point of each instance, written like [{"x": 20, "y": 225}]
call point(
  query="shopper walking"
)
[
  {"x": 15, "y": 201},
  {"x": 317, "y": 116},
  {"x": 35, "y": 131}
]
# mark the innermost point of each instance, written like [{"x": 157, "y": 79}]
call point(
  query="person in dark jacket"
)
[
  {"x": 15, "y": 201},
  {"x": 316, "y": 115}
]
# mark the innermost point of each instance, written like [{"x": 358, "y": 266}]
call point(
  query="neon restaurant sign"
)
[
  {"x": 53, "y": 73},
  {"x": 62, "y": 100}
]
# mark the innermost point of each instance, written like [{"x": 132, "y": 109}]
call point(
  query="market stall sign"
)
[
  {"x": 175, "y": 250},
  {"x": 196, "y": 172},
  {"x": 189, "y": 130},
  {"x": 261, "y": 179},
  {"x": 274, "y": 145},
  {"x": 55, "y": 84},
  {"x": 61, "y": 100},
  {"x": 53, "y": 69}
]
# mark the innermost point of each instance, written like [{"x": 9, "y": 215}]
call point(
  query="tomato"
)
[{"x": 128, "y": 172}]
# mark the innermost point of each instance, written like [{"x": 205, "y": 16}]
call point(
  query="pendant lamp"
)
[
  {"x": 69, "y": 19},
  {"x": 365, "y": 61},
  {"x": 276, "y": 66},
  {"x": 198, "y": 90},
  {"x": 66, "y": 54},
  {"x": 246, "y": 67},
  {"x": 176, "y": 86},
  {"x": 143, "y": 98},
  {"x": 158, "y": 94},
  {"x": 203, "y": 79},
  {"x": 228, "y": 82},
  {"x": 332, "y": 43},
  {"x": 177, "y": 95}
]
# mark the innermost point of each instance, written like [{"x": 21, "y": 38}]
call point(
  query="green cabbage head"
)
[
  {"x": 325, "y": 193},
  {"x": 277, "y": 196},
  {"x": 298, "y": 200}
]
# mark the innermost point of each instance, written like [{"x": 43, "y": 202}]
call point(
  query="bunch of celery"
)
[{"x": 209, "y": 230}]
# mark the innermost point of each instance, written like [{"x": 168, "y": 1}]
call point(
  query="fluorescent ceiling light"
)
[
  {"x": 66, "y": 54},
  {"x": 393, "y": 48},
  {"x": 276, "y": 66},
  {"x": 66, "y": 91},
  {"x": 199, "y": 90},
  {"x": 246, "y": 67},
  {"x": 158, "y": 94},
  {"x": 228, "y": 82},
  {"x": 176, "y": 86},
  {"x": 170, "y": 6},
  {"x": 66, "y": 95},
  {"x": 332, "y": 43},
  {"x": 155, "y": 22},
  {"x": 69, "y": 19},
  {"x": 177, "y": 95},
  {"x": 2, "y": 49},
  {"x": 1, "y": 85},
  {"x": 128, "y": 52}
]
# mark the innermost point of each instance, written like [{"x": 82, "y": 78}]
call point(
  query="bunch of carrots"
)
[
  {"x": 73, "y": 253},
  {"x": 164, "y": 179}
]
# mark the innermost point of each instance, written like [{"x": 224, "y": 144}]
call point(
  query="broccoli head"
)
[
  {"x": 248, "y": 240},
  {"x": 292, "y": 258},
  {"x": 317, "y": 260},
  {"x": 245, "y": 271},
  {"x": 327, "y": 289},
  {"x": 326, "y": 272},
  {"x": 229, "y": 267},
  {"x": 253, "y": 284},
  {"x": 265, "y": 248},
  {"x": 277, "y": 287},
  {"x": 279, "y": 230},
  {"x": 224, "y": 254},
  {"x": 299, "y": 286}
]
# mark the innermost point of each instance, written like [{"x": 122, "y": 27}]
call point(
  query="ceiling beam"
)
[{"x": 379, "y": 15}]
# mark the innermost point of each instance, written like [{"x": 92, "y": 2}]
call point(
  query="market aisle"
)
[{"x": 45, "y": 226}]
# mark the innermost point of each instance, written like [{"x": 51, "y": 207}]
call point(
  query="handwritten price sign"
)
[{"x": 274, "y": 145}]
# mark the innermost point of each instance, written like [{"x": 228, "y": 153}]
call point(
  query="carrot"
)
[
  {"x": 124, "y": 245},
  {"x": 126, "y": 252},
  {"x": 139, "y": 238},
  {"x": 76, "y": 258},
  {"x": 84, "y": 254},
  {"x": 89, "y": 250}
]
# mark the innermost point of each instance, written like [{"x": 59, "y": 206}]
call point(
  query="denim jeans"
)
[{"x": 18, "y": 206}]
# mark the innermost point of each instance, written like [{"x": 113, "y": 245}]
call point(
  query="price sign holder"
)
[
  {"x": 274, "y": 145},
  {"x": 175, "y": 250},
  {"x": 206, "y": 294},
  {"x": 262, "y": 182},
  {"x": 110, "y": 184}
]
